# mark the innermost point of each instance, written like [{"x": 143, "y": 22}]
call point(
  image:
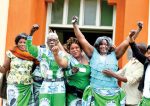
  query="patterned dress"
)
[
  {"x": 19, "y": 80},
  {"x": 103, "y": 90},
  {"x": 80, "y": 80},
  {"x": 53, "y": 88}
]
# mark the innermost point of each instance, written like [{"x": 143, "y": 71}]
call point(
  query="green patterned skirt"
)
[
  {"x": 52, "y": 94},
  {"x": 20, "y": 95},
  {"x": 144, "y": 102},
  {"x": 94, "y": 98}
]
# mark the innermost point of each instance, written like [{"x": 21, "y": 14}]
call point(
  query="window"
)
[
  {"x": 94, "y": 16},
  {"x": 57, "y": 12},
  {"x": 90, "y": 12}
]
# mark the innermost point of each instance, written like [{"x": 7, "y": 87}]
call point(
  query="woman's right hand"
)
[
  {"x": 74, "y": 19},
  {"x": 75, "y": 70}
]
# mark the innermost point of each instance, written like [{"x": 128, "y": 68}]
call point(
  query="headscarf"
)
[{"x": 24, "y": 55}]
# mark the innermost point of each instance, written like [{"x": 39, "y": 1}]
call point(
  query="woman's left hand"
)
[
  {"x": 35, "y": 27},
  {"x": 131, "y": 35}
]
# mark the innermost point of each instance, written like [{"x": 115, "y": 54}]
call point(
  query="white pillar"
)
[
  {"x": 4, "y": 5},
  {"x": 149, "y": 25}
]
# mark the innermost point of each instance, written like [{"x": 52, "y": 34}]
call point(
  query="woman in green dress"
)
[
  {"x": 19, "y": 64},
  {"x": 78, "y": 74}
]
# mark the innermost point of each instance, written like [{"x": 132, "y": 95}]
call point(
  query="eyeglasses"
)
[{"x": 52, "y": 40}]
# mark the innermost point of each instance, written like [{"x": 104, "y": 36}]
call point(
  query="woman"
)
[
  {"x": 131, "y": 75},
  {"x": 103, "y": 90},
  {"x": 53, "y": 88},
  {"x": 19, "y": 64},
  {"x": 79, "y": 74}
]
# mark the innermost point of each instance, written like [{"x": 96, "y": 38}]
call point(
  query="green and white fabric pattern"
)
[
  {"x": 20, "y": 95},
  {"x": 51, "y": 89},
  {"x": 92, "y": 97},
  {"x": 19, "y": 82},
  {"x": 80, "y": 80},
  {"x": 144, "y": 102}
]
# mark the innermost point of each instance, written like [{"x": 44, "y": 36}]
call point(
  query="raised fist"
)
[
  {"x": 132, "y": 33},
  {"x": 55, "y": 50},
  {"x": 140, "y": 24},
  {"x": 74, "y": 19},
  {"x": 35, "y": 27}
]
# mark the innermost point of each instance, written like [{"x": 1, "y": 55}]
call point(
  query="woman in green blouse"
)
[{"x": 78, "y": 74}]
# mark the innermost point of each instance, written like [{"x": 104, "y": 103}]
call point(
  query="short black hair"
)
[
  {"x": 148, "y": 47},
  {"x": 142, "y": 47},
  {"x": 20, "y": 36}
]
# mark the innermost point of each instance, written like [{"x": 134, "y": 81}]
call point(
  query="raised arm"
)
[
  {"x": 6, "y": 65},
  {"x": 140, "y": 26},
  {"x": 86, "y": 46},
  {"x": 121, "y": 49},
  {"x": 32, "y": 49},
  {"x": 136, "y": 51}
]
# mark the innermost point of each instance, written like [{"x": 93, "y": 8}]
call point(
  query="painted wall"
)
[
  {"x": 22, "y": 15},
  {"x": 133, "y": 14},
  {"x": 127, "y": 15}
]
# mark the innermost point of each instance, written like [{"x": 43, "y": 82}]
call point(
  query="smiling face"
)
[
  {"x": 103, "y": 47},
  {"x": 22, "y": 44},
  {"x": 75, "y": 50}
]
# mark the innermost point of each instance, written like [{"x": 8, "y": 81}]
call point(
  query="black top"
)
[{"x": 143, "y": 59}]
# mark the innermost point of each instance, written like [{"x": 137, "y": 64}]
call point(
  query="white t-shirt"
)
[{"x": 146, "y": 91}]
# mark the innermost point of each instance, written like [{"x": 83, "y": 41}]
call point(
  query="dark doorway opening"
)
[{"x": 90, "y": 35}]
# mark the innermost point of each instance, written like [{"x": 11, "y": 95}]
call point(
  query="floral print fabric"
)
[{"x": 20, "y": 72}]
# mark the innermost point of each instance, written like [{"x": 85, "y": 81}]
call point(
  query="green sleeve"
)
[{"x": 32, "y": 49}]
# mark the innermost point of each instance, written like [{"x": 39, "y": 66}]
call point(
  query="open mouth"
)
[{"x": 22, "y": 47}]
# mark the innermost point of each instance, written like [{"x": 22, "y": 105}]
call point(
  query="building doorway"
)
[{"x": 91, "y": 35}]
